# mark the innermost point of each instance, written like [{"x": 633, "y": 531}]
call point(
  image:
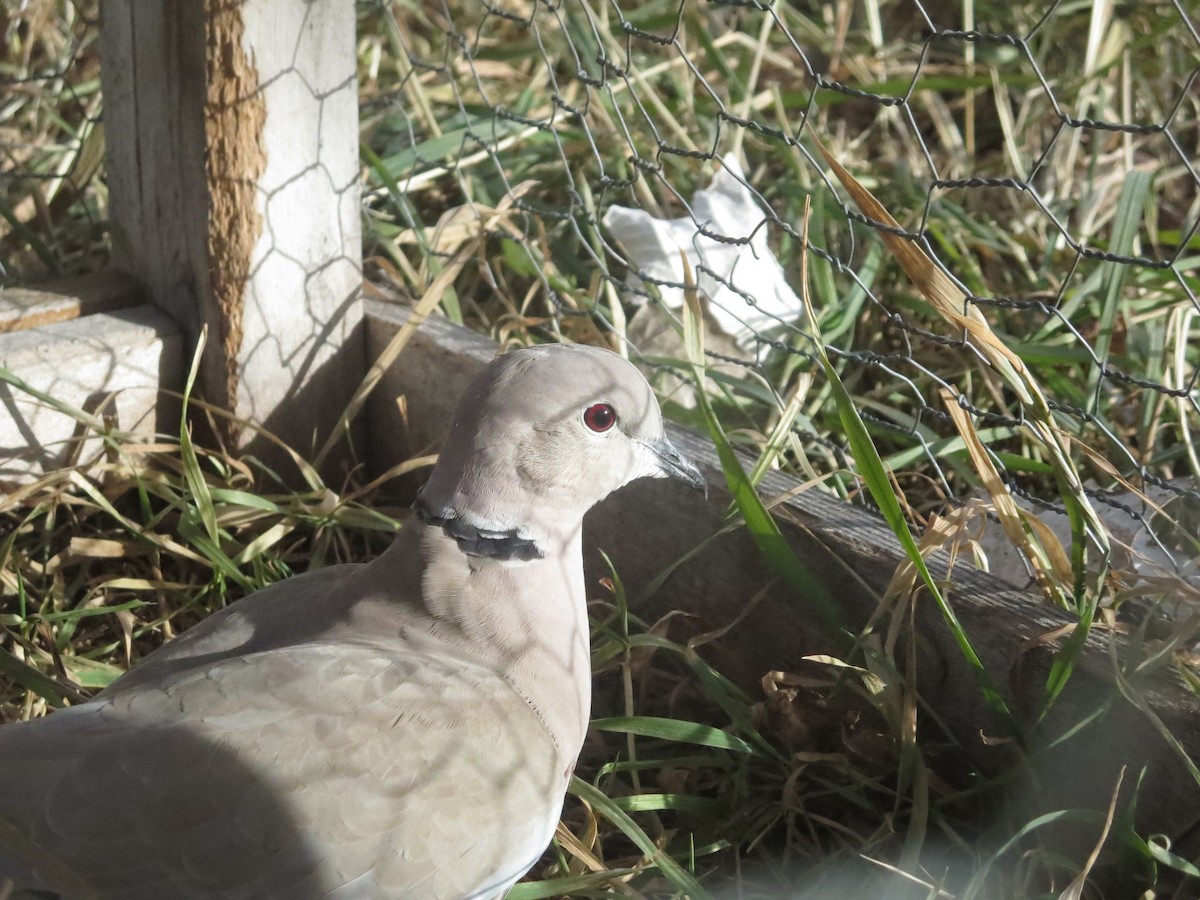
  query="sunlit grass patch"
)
[
  {"x": 104, "y": 560},
  {"x": 1046, "y": 374}
]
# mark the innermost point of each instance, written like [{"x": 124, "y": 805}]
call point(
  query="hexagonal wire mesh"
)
[
  {"x": 51, "y": 145},
  {"x": 1044, "y": 155}
]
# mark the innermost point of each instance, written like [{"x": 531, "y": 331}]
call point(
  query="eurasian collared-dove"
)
[{"x": 403, "y": 728}]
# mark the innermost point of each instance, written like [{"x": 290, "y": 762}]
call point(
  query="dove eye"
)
[{"x": 600, "y": 417}]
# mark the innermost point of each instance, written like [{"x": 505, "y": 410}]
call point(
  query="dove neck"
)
[
  {"x": 492, "y": 510},
  {"x": 504, "y": 544},
  {"x": 525, "y": 619}
]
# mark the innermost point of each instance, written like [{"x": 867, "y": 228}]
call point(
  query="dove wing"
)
[{"x": 326, "y": 770}]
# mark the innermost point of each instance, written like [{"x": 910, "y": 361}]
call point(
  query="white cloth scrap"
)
[{"x": 726, "y": 207}]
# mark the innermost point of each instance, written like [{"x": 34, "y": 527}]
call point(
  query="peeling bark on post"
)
[
  {"x": 233, "y": 178},
  {"x": 234, "y": 115}
]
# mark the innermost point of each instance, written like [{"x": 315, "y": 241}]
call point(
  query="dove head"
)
[{"x": 540, "y": 436}]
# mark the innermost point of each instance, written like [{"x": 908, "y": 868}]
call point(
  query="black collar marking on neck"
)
[{"x": 503, "y": 545}]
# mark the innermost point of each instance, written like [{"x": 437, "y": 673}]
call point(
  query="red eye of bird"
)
[{"x": 600, "y": 417}]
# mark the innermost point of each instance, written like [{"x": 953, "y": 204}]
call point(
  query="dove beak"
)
[{"x": 673, "y": 464}]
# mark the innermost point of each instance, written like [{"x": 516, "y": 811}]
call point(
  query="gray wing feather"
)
[{"x": 259, "y": 776}]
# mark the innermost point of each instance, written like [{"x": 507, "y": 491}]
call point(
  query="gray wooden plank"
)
[{"x": 66, "y": 298}]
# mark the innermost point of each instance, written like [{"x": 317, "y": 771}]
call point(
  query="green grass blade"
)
[
  {"x": 197, "y": 485},
  {"x": 636, "y": 803},
  {"x": 563, "y": 887},
  {"x": 1158, "y": 847},
  {"x": 92, "y": 422},
  {"x": 677, "y": 730},
  {"x": 90, "y": 673},
  {"x": 978, "y": 883},
  {"x": 759, "y": 522},
  {"x": 671, "y": 870},
  {"x": 875, "y": 476},
  {"x": 1126, "y": 222},
  {"x": 18, "y": 672}
]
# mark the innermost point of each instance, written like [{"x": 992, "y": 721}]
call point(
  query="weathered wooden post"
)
[{"x": 232, "y": 130}]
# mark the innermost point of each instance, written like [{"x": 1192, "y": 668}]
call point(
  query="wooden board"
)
[
  {"x": 66, "y": 298},
  {"x": 851, "y": 555},
  {"x": 232, "y": 135},
  {"x": 110, "y": 365}
]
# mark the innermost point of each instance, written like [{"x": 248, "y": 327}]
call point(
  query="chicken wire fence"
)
[
  {"x": 51, "y": 140},
  {"x": 555, "y": 163},
  {"x": 1043, "y": 154}
]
